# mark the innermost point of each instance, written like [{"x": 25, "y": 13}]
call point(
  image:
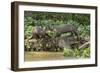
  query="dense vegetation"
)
[{"x": 50, "y": 19}]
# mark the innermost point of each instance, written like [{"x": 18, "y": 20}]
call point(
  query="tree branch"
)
[{"x": 84, "y": 45}]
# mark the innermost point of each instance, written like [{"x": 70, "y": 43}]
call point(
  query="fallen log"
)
[{"x": 84, "y": 45}]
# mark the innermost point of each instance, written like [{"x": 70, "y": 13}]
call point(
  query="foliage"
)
[
  {"x": 83, "y": 53},
  {"x": 50, "y": 19},
  {"x": 68, "y": 52}
]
